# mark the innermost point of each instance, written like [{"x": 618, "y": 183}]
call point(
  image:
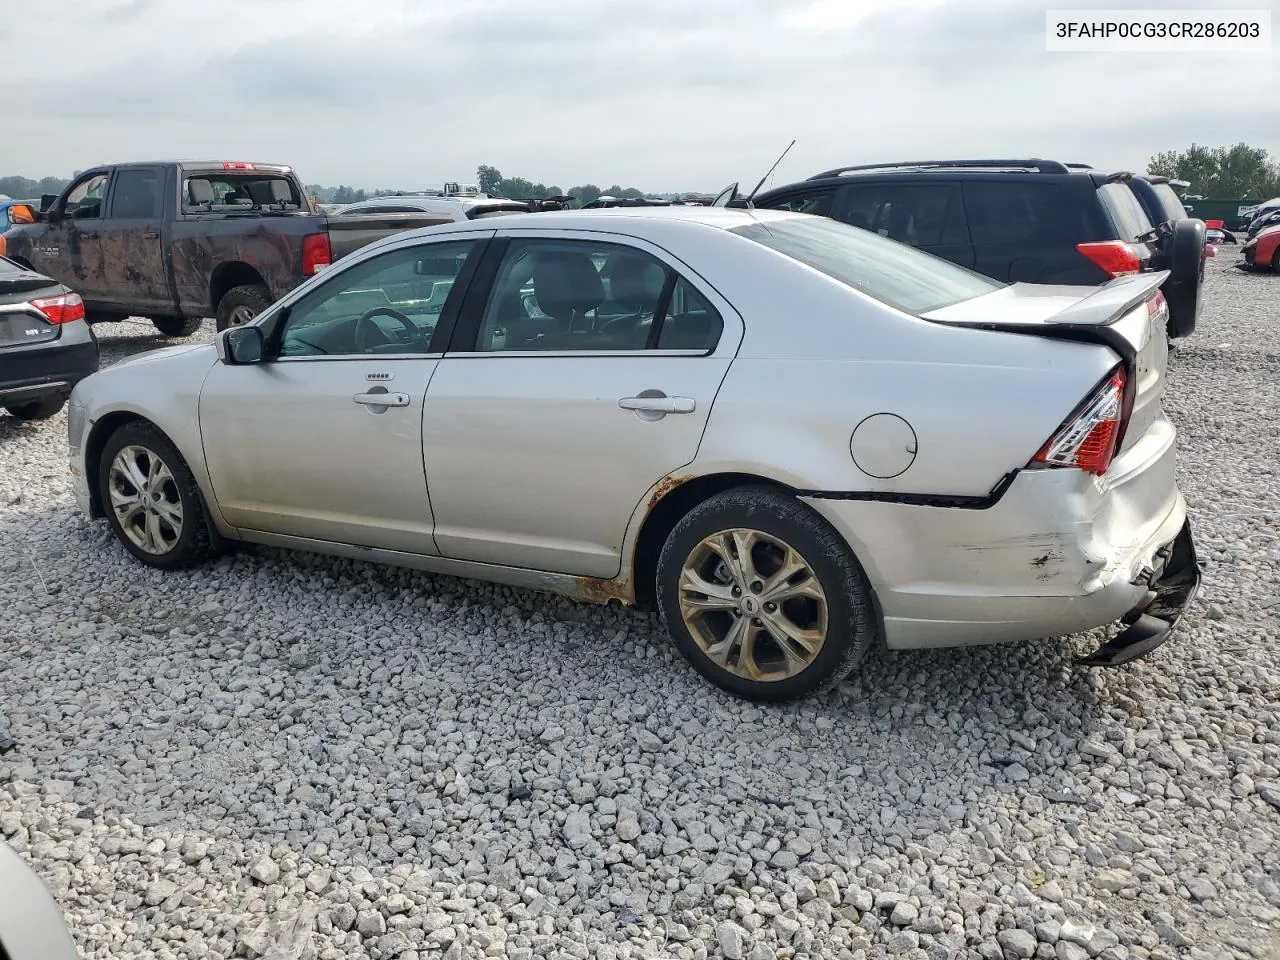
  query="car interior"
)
[
  {"x": 573, "y": 298},
  {"x": 237, "y": 194}
]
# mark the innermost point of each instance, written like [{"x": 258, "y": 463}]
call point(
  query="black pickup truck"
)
[{"x": 179, "y": 241}]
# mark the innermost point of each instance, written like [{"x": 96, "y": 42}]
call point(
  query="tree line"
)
[{"x": 1237, "y": 172}]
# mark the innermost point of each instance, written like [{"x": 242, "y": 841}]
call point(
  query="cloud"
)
[{"x": 664, "y": 96}]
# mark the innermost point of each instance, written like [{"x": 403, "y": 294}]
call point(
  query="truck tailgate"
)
[{"x": 347, "y": 234}]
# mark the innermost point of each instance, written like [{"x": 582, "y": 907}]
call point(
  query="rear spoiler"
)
[{"x": 1111, "y": 301}]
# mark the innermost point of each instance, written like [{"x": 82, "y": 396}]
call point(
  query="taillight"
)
[
  {"x": 1088, "y": 441},
  {"x": 1213, "y": 224},
  {"x": 316, "y": 254},
  {"x": 1158, "y": 306},
  {"x": 4, "y": 246},
  {"x": 61, "y": 309},
  {"x": 237, "y": 165},
  {"x": 1115, "y": 257}
]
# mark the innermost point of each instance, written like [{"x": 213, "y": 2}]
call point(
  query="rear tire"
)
[
  {"x": 151, "y": 500},
  {"x": 809, "y": 639},
  {"x": 1275, "y": 260},
  {"x": 239, "y": 305},
  {"x": 177, "y": 326},
  {"x": 37, "y": 409}
]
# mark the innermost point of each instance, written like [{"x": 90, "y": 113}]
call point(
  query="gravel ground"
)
[{"x": 288, "y": 756}]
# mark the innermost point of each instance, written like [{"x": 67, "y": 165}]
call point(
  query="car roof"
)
[{"x": 626, "y": 221}]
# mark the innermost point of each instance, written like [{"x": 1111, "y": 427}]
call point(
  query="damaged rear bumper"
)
[{"x": 1173, "y": 581}]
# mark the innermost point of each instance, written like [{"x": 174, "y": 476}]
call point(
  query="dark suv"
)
[{"x": 1035, "y": 221}]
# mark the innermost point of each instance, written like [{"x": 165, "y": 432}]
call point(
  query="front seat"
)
[
  {"x": 635, "y": 284},
  {"x": 567, "y": 286}
]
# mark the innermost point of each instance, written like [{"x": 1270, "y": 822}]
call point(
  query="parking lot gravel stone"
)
[{"x": 286, "y": 756}]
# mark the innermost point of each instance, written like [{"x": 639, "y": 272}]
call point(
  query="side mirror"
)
[
  {"x": 241, "y": 346},
  {"x": 22, "y": 213}
]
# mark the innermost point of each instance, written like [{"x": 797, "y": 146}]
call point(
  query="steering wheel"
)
[
  {"x": 361, "y": 332},
  {"x": 624, "y": 326}
]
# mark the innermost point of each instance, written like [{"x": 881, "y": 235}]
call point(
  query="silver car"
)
[
  {"x": 31, "y": 924},
  {"x": 796, "y": 438}
]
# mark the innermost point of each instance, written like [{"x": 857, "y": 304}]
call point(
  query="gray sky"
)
[{"x": 663, "y": 95}]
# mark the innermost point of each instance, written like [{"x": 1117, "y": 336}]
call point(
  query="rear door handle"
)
[
  {"x": 382, "y": 399},
  {"x": 151, "y": 235},
  {"x": 658, "y": 404}
]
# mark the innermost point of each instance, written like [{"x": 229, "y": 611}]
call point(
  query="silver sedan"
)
[{"x": 796, "y": 439}]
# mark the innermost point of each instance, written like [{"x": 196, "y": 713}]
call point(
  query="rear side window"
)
[
  {"x": 1025, "y": 213},
  {"x": 135, "y": 194},
  {"x": 1126, "y": 213},
  {"x": 893, "y": 273},
  {"x": 921, "y": 214}
]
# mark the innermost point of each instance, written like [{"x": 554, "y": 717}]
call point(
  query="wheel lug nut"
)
[
  {"x": 756, "y": 586},
  {"x": 737, "y": 591},
  {"x": 770, "y": 607},
  {"x": 757, "y": 621}
]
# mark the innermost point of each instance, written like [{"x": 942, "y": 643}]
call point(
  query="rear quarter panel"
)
[{"x": 817, "y": 358}]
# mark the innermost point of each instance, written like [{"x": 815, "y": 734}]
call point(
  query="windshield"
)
[{"x": 891, "y": 272}]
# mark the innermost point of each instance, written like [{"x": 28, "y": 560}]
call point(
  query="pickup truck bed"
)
[{"x": 180, "y": 241}]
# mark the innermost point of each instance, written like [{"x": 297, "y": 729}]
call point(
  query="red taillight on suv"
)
[
  {"x": 61, "y": 309},
  {"x": 1088, "y": 441},
  {"x": 316, "y": 254},
  {"x": 1115, "y": 257}
]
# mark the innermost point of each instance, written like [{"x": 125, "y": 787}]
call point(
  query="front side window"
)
[
  {"x": 84, "y": 202},
  {"x": 582, "y": 296},
  {"x": 893, "y": 273},
  {"x": 389, "y": 304},
  {"x": 817, "y": 203}
]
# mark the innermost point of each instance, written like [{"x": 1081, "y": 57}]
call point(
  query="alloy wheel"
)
[
  {"x": 145, "y": 499},
  {"x": 239, "y": 316},
  {"x": 753, "y": 605}
]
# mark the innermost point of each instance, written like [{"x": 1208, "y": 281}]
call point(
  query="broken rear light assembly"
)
[
  {"x": 1115, "y": 257},
  {"x": 1089, "y": 439},
  {"x": 60, "y": 309}
]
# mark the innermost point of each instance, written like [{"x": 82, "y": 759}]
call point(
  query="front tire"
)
[
  {"x": 152, "y": 501},
  {"x": 763, "y": 597},
  {"x": 41, "y": 409},
  {"x": 177, "y": 326},
  {"x": 239, "y": 305}
]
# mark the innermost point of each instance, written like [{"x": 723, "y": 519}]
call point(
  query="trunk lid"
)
[
  {"x": 21, "y": 325},
  {"x": 1115, "y": 315}
]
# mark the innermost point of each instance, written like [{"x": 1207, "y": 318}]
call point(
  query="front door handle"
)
[
  {"x": 382, "y": 399},
  {"x": 658, "y": 404}
]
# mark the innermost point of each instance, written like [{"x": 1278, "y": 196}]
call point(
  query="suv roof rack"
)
[{"x": 1040, "y": 166}]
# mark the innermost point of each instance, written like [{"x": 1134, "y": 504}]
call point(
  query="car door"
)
[
  {"x": 324, "y": 440},
  {"x": 70, "y": 248},
  {"x": 133, "y": 260},
  {"x": 579, "y": 376}
]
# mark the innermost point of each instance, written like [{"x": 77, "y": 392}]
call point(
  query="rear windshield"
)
[
  {"x": 239, "y": 193},
  {"x": 1126, "y": 212},
  {"x": 891, "y": 272},
  {"x": 1170, "y": 204}
]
